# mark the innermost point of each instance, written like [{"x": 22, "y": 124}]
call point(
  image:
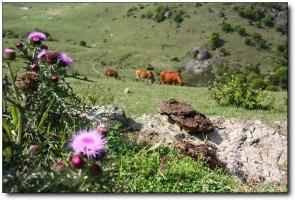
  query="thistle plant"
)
[{"x": 40, "y": 94}]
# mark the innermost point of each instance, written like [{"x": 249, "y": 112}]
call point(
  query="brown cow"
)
[
  {"x": 171, "y": 77},
  {"x": 142, "y": 73},
  {"x": 111, "y": 73}
]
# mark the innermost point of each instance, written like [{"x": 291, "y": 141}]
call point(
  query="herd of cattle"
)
[{"x": 166, "y": 77}]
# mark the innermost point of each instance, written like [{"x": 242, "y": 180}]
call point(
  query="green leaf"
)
[
  {"x": 7, "y": 129},
  {"x": 44, "y": 116},
  {"x": 14, "y": 116}
]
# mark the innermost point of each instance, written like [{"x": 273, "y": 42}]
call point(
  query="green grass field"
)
[{"x": 145, "y": 98}]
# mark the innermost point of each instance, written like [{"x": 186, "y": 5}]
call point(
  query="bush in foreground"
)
[{"x": 233, "y": 90}]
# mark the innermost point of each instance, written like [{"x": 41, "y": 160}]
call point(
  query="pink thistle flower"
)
[
  {"x": 65, "y": 59},
  {"x": 37, "y": 37},
  {"x": 77, "y": 161},
  {"x": 89, "y": 143}
]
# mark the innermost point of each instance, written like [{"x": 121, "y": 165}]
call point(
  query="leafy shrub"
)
[
  {"x": 280, "y": 29},
  {"x": 226, "y": 27},
  {"x": 215, "y": 40},
  {"x": 241, "y": 31},
  {"x": 282, "y": 73},
  {"x": 83, "y": 43},
  {"x": 179, "y": 17},
  {"x": 161, "y": 13},
  {"x": 254, "y": 14},
  {"x": 257, "y": 81},
  {"x": 233, "y": 90},
  {"x": 258, "y": 24},
  {"x": 257, "y": 41},
  {"x": 267, "y": 21},
  {"x": 131, "y": 11}
]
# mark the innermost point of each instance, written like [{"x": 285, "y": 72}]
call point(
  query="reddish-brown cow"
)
[
  {"x": 145, "y": 74},
  {"x": 171, "y": 77},
  {"x": 111, "y": 73}
]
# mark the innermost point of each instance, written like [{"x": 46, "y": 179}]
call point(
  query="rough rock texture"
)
[
  {"x": 197, "y": 67},
  {"x": 186, "y": 117},
  {"x": 251, "y": 149},
  {"x": 108, "y": 114},
  {"x": 248, "y": 149}
]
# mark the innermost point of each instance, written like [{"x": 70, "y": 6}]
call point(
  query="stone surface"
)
[
  {"x": 196, "y": 66},
  {"x": 108, "y": 114},
  {"x": 249, "y": 149}
]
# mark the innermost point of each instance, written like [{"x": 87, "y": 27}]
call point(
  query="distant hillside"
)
[{"x": 131, "y": 35}]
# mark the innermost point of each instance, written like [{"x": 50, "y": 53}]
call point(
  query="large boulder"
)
[
  {"x": 197, "y": 67},
  {"x": 186, "y": 117}
]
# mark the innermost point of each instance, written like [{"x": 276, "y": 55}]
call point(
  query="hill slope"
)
[{"x": 118, "y": 40}]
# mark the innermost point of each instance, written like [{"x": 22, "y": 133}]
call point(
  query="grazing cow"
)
[
  {"x": 141, "y": 74},
  {"x": 171, "y": 77},
  {"x": 111, "y": 73}
]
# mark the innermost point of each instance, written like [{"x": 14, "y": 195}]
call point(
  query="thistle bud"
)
[
  {"x": 34, "y": 66},
  {"x": 9, "y": 54},
  {"x": 54, "y": 78},
  {"x": 95, "y": 169},
  {"x": 60, "y": 166},
  {"x": 19, "y": 45},
  {"x": 77, "y": 161}
]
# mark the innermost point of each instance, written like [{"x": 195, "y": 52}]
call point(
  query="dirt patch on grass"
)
[{"x": 53, "y": 13}]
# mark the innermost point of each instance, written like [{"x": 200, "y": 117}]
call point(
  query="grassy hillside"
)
[
  {"x": 126, "y": 43},
  {"x": 119, "y": 40}
]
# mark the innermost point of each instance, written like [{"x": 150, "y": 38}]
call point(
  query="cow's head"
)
[{"x": 181, "y": 83}]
